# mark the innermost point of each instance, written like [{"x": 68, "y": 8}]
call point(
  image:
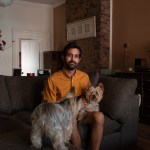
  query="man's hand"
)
[{"x": 84, "y": 103}]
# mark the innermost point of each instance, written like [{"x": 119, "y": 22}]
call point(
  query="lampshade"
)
[{"x": 4, "y": 3}]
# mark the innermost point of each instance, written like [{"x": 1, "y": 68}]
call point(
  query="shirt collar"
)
[{"x": 65, "y": 73}]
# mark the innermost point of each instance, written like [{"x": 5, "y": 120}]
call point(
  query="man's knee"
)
[{"x": 98, "y": 118}]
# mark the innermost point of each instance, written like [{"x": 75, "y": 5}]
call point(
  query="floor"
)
[{"x": 144, "y": 137}]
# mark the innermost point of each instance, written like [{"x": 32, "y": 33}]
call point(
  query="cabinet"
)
[
  {"x": 143, "y": 89},
  {"x": 52, "y": 60}
]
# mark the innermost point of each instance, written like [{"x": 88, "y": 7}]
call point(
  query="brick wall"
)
[{"x": 95, "y": 49}]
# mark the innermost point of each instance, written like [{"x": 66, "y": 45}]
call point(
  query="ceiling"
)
[{"x": 50, "y": 2}]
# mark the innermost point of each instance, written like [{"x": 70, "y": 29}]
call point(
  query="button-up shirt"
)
[{"x": 59, "y": 84}]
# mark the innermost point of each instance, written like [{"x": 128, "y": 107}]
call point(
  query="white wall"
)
[{"x": 24, "y": 16}]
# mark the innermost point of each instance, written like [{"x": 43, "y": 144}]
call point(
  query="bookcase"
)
[{"x": 52, "y": 60}]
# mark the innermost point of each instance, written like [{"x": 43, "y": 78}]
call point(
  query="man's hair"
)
[{"x": 71, "y": 45}]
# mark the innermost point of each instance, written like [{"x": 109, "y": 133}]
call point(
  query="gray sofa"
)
[{"x": 20, "y": 95}]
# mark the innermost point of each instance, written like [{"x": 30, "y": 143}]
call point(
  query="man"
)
[{"x": 59, "y": 84}]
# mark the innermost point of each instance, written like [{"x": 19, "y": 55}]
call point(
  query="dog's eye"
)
[{"x": 96, "y": 92}]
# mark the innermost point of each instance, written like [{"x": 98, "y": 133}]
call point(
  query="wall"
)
[
  {"x": 95, "y": 49},
  {"x": 27, "y": 17},
  {"x": 59, "y": 27},
  {"x": 131, "y": 25}
]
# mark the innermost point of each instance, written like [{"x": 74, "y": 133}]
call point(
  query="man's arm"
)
[{"x": 49, "y": 92}]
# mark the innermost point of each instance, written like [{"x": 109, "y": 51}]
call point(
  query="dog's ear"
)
[
  {"x": 90, "y": 84},
  {"x": 101, "y": 86},
  {"x": 70, "y": 94}
]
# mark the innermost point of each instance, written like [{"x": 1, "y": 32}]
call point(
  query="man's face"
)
[{"x": 72, "y": 59}]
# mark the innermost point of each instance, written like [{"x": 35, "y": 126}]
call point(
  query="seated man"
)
[{"x": 59, "y": 83}]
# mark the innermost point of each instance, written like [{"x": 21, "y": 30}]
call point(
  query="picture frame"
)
[{"x": 85, "y": 28}]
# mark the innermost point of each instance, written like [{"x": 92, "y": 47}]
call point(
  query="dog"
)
[
  {"x": 93, "y": 95},
  {"x": 55, "y": 121}
]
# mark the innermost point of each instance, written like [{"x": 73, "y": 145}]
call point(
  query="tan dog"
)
[{"x": 93, "y": 96}]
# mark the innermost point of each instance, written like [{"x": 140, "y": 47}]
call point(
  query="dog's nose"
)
[{"x": 93, "y": 97}]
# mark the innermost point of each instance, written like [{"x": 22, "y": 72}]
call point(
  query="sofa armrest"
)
[
  {"x": 118, "y": 96},
  {"x": 129, "y": 130}
]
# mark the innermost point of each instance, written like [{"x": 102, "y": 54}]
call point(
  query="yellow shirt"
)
[{"x": 59, "y": 84}]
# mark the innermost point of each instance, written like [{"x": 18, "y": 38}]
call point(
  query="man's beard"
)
[{"x": 71, "y": 65}]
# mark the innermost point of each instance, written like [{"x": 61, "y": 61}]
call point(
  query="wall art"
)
[{"x": 85, "y": 28}]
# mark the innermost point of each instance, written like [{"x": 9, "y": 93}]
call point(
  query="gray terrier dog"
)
[{"x": 55, "y": 121}]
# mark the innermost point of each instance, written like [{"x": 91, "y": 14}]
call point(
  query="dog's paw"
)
[{"x": 33, "y": 148}]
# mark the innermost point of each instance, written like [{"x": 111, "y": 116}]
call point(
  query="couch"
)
[{"x": 20, "y": 95}]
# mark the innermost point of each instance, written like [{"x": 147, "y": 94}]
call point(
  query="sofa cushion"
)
[
  {"x": 24, "y": 92},
  {"x": 111, "y": 142},
  {"x": 16, "y": 140},
  {"x": 20, "y": 140},
  {"x": 9, "y": 125},
  {"x": 5, "y": 106},
  {"x": 111, "y": 126},
  {"x": 24, "y": 116},
  {"x": 118, "y": 95}
]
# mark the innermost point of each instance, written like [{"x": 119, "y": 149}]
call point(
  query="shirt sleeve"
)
[{"x": 49, "y": 92}]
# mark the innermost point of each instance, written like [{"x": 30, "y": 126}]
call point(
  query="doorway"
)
[
  {"x": 19, "y": 35},
  {"x": 29, "y": 56}
]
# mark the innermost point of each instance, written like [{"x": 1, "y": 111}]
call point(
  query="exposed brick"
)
[{"x": 95, "y": 49}]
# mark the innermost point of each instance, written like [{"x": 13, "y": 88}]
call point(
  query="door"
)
[{"x": 30, "y": 56}]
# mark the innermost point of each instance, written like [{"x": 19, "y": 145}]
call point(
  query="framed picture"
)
[{"x": 81, "y": 29}]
